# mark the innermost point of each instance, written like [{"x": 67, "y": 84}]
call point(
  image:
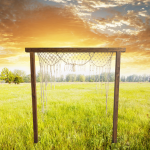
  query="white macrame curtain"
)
[{"x": 53, "y": 65}]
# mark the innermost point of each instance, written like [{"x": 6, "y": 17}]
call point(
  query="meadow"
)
[{"x": 75, "y": 118}]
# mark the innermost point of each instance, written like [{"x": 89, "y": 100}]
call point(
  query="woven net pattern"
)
[
  {"x": 55, "y": 65},
  {"x": 98, "y": 59}
]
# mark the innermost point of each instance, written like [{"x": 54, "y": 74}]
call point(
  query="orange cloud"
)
[{"x": 32, "y": 24}]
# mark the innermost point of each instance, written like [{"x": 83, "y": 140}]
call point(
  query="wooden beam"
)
[
  {"x": 34, "y": 101},
  {"x": 77, "y": 49},
  {"x": 116, "y": 96}
]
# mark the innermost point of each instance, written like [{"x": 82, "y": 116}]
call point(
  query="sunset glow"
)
[{"x": 78, "y": 23}]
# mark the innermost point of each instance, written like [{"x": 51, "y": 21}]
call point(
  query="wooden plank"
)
[
  {"x": 34, "y": 101},
  {"x": 116, "y": 96},
  {"x": 78, "y": 49}
]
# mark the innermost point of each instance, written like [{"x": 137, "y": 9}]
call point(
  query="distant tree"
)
[
  {"x": 78, "y": 77},
  {"x": 112, "y": 77},
  {"x": 38, "y": 77},
  {"x": 91, "y": 80},
  {"x": 123, "y": 78},
  {"x": 97, "y": 78},
  {"x": 87, "y": 78},
  {"x": 129, "y": 79},
  {"x": 7, "y": 75},
  {"x": 27, "y": 78},
  {"x": 20, "y": 73},
  {"x": 69, "y": 78},
  {"x": 82, "y": 78},
  {"x": 73, "y": 78},
  {"x": 45, "y": 76},
  {"x": 53, "y": 79},
  {"x": 61, "y": 78},
  {"x": 11, "y": 77},
  {"x": 137, "y": 78},
  {"x": 18, "y": 79}
]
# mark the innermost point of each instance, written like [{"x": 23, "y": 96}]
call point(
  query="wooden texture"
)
[
  {"x": 81, "y": 49},
  {"x": 34, "y": 101},
  {"x": 116, "y": 96},
  {"x": 116, "y": 87}
]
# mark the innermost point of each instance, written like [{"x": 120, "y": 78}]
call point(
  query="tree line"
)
[
  {"x": 102, "y": 78},
  {"x": 9, "y": 77},
  {"x": 88, "y": 78},
  {"x": 135, "y": 78},
  {"x": 19, "y": 76}
]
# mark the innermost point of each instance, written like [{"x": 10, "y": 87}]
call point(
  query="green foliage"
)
[
  {"x": 20, "y": 73},
  {"x": 38, "y": 77},
  {"x": 11, "y": 77},
  {"x": 123, "y": 79},
  {"x": 82, "y": 78},
  {"x": 20, "y": 76},
  {"x": 47, "y": 77},
  {"x": 18, "y": 79},
  {"x": 91, "y": 80},
  {"x": 71, "y": 78},
  {"x": 136, "y": 78},
  {"x": 75, "y": 117},
  {"x": 27, "y": 78},
  {"x": 7, "y": 75},
  {"x": 61, "y": 79}
]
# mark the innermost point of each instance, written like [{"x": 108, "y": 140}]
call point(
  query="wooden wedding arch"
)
[{"x": 32, "y": 52}]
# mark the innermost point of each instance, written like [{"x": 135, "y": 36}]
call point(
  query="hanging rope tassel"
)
[{"x": 70, "y": 63}]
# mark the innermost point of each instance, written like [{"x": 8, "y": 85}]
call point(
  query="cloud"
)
[
  {"x": 33, "y": 24},
  {"x": 58, "y": 1},
  {"x": 42, "y": 26},
  {"x": 144, "y": 14},
  {"x": 130, "y": 19},
  {"x": 95, "y": 4}
]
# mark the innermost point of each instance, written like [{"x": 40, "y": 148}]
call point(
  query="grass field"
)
[{"x": 75, "y": 117}]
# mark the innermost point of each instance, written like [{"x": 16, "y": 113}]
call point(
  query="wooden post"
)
[
  {"x": 75, "y": 50},
  {"x": 34, "y": 101},
  {"x": 116, "y": 96}
]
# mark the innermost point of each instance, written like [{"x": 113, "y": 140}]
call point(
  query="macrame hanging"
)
[{"x": 53, "y": 65}]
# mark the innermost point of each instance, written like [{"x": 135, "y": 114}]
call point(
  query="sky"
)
[{"x": 75, "y": 23}]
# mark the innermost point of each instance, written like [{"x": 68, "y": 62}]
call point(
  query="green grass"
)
[{"x": 75, "y": 118}]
